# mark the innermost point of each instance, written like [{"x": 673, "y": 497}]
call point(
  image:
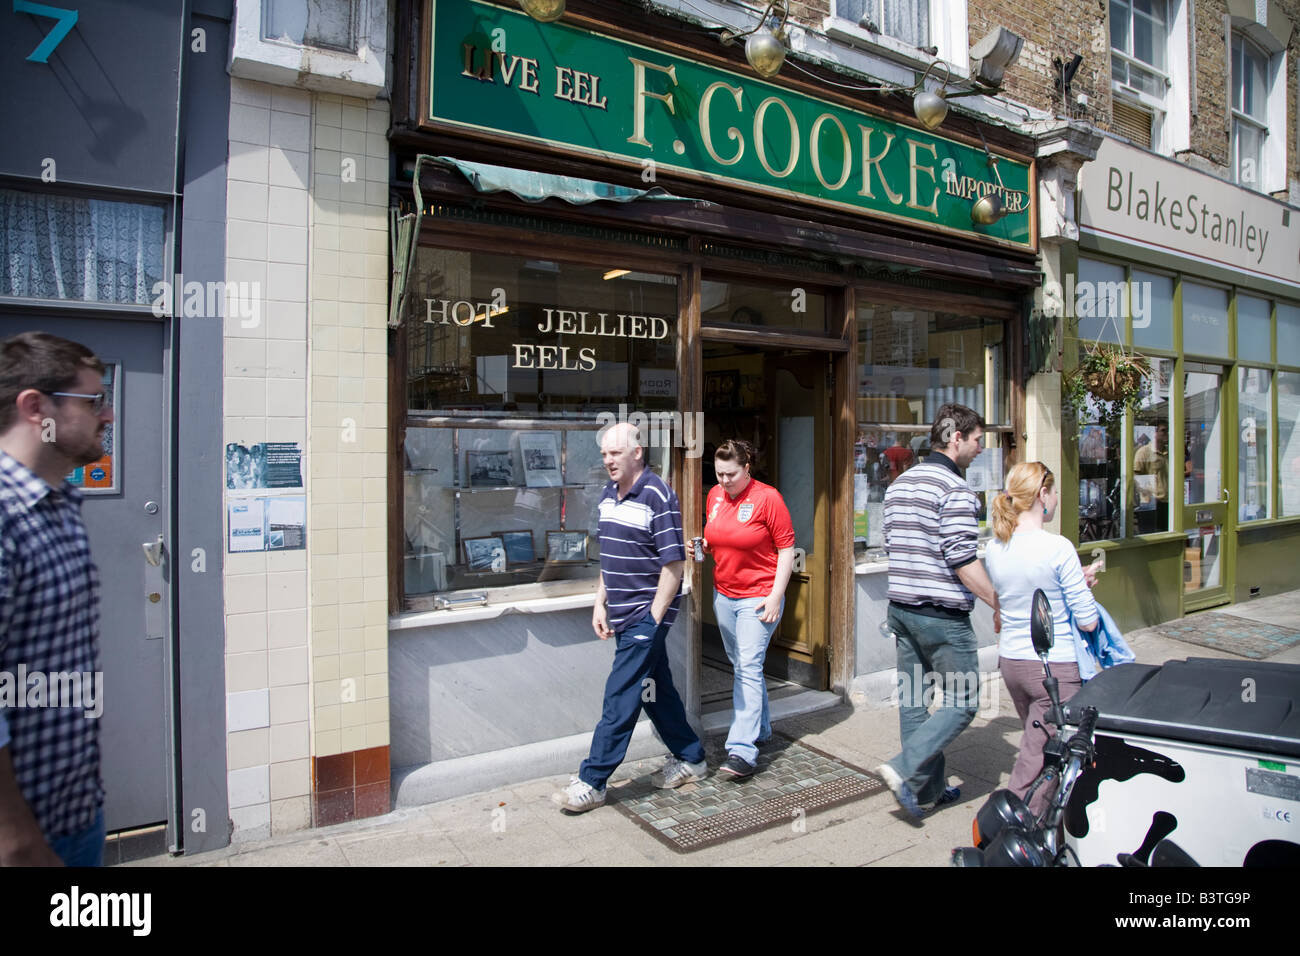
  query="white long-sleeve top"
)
[{"x": 1038, "y": 559}]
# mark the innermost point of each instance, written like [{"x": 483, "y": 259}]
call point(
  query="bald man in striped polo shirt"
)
[{"x": 642, "y": 557}]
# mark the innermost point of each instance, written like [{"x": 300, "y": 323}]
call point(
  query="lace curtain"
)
[
  {"x": 89, "y": 250},
  {"x": 905, "y": 20}
]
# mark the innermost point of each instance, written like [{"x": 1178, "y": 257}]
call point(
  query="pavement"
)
[{"x": 520, "y": 826}]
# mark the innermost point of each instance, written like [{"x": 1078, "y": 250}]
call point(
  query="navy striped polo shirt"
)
[{"x": 638, "y": 536}]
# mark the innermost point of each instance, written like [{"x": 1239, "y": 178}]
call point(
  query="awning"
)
[
  {"x": 537, "y": 187},
  {"x": 485, "y": 178}
]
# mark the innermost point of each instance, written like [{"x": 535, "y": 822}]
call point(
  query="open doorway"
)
[{"x": 777, "y": 401}]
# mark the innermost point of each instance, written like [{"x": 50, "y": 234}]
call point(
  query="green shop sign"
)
[{"x": 496, "y": 70}]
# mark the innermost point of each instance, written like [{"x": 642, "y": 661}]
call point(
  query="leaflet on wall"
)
[
  {"x": 247, "y": 525},
  {"x": 269, "y": 465},
  {"x": 267, "y": 523}
]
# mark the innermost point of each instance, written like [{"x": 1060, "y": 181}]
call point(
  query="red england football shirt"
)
[{"x": 744, "y": 534}]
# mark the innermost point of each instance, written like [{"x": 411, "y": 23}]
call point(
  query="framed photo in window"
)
[
  {"x": 489, "y": 469},
  {"x": 566, "y": 547},
  {"x": 541, "y": 454},
  {"x": 1092, "y": 444},
  {"x": 485, "y": 554},
  {"x": 519, "y": 547}
]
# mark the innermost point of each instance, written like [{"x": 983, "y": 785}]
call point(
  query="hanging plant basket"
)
[{"x": 1111, "y": 377}]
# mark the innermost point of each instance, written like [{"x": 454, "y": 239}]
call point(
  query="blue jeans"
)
[
  {"x": 746, "y": 638},
  {"x": 930, "y": 650},
  {"x": 639, "y": 678},
  {"x": 84, "y": 848}
]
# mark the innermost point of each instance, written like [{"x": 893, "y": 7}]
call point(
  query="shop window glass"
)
[
  {"x": 1205, "y": 320},
  {"x": 1100, "y": 301},
  {"x": 1288, "y": 334},
  {"x": 910, "y": 362},
  {"x": 513, "y": 367},
  {"x": 85, "y": 250},
  {"x": 1254, "y": 326},
  {"x": 1152, "y": 474},
  {"x": 1288, "y": 437},
  {"x": 1152, "y": 307},
  {"x": 1203, "y": 446},
  {"x": 1254, "y": 456},
  {"x": 793, "y": 308},
  {"x": 1101, "y": 487}
]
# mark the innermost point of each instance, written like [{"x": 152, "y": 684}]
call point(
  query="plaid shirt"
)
[{"x": 49, "y": 625}]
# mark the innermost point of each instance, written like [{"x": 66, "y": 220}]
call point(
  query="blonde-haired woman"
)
[{"x": 1023, "y": 557}]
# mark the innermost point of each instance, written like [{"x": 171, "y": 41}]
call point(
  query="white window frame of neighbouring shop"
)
[
  {"x": 1259, "y": 352},
  {"x": 944, "y": 34},
  {"x": 1160, "y": 101},
  {"x": 1257, "y": 65}
]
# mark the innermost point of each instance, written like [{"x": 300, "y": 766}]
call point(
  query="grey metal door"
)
[{"x": 127, "y": 510}]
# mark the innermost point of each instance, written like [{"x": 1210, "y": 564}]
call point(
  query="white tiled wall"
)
[
  {"x": 306, "y": 631},
  {"x": 349, "y": 402},
  {"x": 267, "y": 655}
]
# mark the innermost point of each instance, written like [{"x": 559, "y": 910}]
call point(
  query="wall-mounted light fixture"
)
[
  {"x": 991, "y": 207},
  {"x": 764, "y": 47},
  {"x": 543, "y": 10}
]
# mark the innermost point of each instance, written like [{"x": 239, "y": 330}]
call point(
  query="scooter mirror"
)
[{"x": 1041, "y": 630}]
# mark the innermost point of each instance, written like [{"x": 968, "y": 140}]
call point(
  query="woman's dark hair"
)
[
  {"x": 41, "y": 361},
  {"x": 734, "y": 449}
]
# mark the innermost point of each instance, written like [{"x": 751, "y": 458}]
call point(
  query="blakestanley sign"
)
[
  {"x": 1130, "y": 194},
  {"x": 496, "y": 70}
]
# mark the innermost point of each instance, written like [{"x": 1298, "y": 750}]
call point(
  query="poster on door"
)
[{"x": 100, "y": 476}]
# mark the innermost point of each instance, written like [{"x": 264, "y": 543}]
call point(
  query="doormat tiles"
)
[
  {"x": 1228, "y": 632},
  {"x": 791, "y": 777}
]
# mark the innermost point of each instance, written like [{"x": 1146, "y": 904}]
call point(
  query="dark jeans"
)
[
  {"x": 940, "y": 652},
  {"x": 639, "y": 678},
  {"x": 85, "y": 848}
]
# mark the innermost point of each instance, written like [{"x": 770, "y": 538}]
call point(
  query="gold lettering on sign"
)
[
  {"x": 759, "y": 114},
  {"x": 815, "y": 146},
  {"x": 640, "y": 94},
  {"x": 869, "y": 162},
  {"x": 933, "y": 207},
  {"x": 733, "y": 134},
  {"x": 483, "y": 72}
]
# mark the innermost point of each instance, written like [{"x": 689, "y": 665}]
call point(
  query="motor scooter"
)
[{"x": 1005, "y": 831}]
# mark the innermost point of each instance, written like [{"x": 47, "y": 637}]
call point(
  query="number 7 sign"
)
[{"x": 67, "y": 19}]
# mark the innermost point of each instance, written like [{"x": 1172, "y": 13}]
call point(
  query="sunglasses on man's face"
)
[{"x": 96, "y": 401}]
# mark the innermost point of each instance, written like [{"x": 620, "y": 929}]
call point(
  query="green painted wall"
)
[
  {"x": 1142, "y": 583},
  {"x": 1267, "y": 558}
]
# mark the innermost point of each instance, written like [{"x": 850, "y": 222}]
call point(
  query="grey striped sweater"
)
[{"x": 931, "y": 530}]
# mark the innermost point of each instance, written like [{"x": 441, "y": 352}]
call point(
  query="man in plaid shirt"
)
[{"x": 52, "y": 418}]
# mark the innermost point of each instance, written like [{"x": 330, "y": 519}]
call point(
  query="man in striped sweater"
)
[
  {"x": 642, "y": 557},
  {"x": 931, "y": 533}
]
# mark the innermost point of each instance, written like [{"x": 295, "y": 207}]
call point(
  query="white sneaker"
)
[
  {"x": 674, "y": 773},
  {"x": 578, "y": 797}
]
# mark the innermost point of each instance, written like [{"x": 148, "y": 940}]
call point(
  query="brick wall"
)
[{"x": 1055, "y": 29}]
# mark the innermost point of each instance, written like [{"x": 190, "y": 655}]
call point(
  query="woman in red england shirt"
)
[{"x": 748, "y": 532}]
